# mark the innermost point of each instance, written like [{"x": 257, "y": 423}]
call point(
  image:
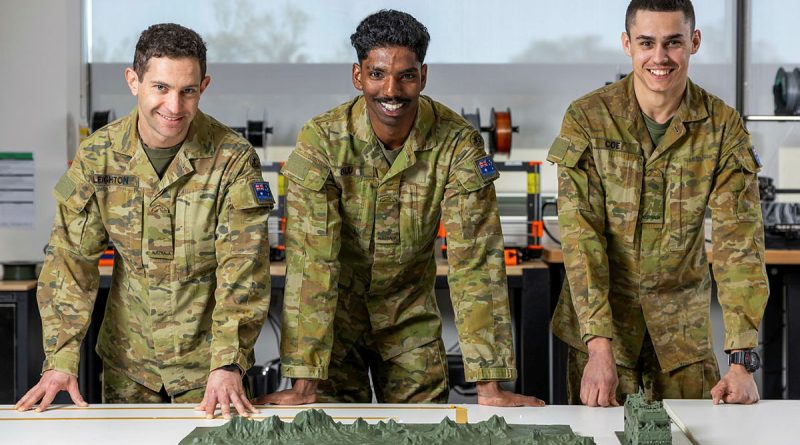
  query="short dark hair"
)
[
  {"x": 635, "y": 6},
  {"x": 168, "y": 40},
  {"x": 387, "y": 28}
]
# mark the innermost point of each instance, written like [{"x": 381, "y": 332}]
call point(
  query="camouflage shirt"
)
[
  {"x": 358, "y": 226},
  {"x": 632, "y": 229},
  {"x": 190, "y": 287}
]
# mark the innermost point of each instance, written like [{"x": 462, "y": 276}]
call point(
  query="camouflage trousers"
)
[
  {"x": 415, "y": 376},
  {"x": 693, "y": 381},
  {"x": 119, "y": 388}
]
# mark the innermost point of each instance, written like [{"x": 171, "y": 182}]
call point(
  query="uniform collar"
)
[
  {"x": 198, "y": 142},
  {"x": 692, "y": 107}
]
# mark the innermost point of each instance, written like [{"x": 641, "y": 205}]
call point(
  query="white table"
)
[
  {"x": 168, "y": 424},
  {"x": 768, "y": 422}
]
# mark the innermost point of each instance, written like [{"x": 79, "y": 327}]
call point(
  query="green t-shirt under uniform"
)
[
  {"x": 656, "y": 130},
  {"x": 160, "y": 158}
]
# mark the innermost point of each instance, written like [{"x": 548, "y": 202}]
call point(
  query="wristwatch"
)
[{"x": 749, "y": 359}]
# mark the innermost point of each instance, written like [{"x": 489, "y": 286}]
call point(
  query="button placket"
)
[
  {"x": 387, "y": 213},
  {"x": 159, "y": 234}
]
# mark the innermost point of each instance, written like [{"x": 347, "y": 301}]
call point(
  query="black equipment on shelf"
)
[
  {"x": 499, "y": 129},
  {"x": 101, "y": 118},
  {"x": 781, "y": 219},
  {"x": 786, "y": 92},
  {"x": 255, "y": 132}
]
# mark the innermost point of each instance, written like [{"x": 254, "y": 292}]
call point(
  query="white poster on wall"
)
[{"x": 16, "y": 190}]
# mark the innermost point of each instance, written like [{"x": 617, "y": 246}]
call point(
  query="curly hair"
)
[
  {"x": 635, "y": 6},
  {"x": 387, "y": 28},
  {"x": 168, "y": 40}
]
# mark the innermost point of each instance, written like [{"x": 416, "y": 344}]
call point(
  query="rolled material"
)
[{"x": 786, "y": 92}]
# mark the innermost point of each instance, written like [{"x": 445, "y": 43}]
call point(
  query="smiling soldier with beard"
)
[
  {"x": 369, "y": 182},
  {"x": 639, "y": 161}
]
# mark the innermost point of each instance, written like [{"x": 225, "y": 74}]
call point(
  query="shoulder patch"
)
[
  {"x": 477, "y": 139},
  {"x": 756, "y": 157},
  {"x": 255, "y": 162},
  {"x": 65, "y": 186},
  {"x": 486, "y": 168},
  {"x": 262, "y": 192}
]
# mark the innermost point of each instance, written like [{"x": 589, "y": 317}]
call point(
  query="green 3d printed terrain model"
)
[
  {"x": 645, "y": 423},
  {"x": 313, "y": 427}
]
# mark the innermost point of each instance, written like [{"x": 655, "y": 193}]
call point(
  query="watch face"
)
[
  {"x": 749, "y": 359},
  {"x": 755, "y": 361}
]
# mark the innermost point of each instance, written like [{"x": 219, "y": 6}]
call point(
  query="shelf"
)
[{"x": 767, "y": 118}]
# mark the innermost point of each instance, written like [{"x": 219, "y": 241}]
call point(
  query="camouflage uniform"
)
[
  {"x": 360, "y": 248},
  {"x": 190, "y": 287},
  {"x": 632, "y": 228}
]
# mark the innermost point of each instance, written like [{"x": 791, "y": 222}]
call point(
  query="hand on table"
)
[
  {"x": 599, "y": 382},
  {"x": 738, "y": 386},
  {"x": 491, "y": 394},
  {"x": 225, "y": 388},
  {"x": 303, "y": 391},
  {"x": 51, "y": 383}
]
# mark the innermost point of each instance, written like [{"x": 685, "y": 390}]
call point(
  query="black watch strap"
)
[
  {"x": 749, "y": 359},
  {"x": 232, "y": 367}
]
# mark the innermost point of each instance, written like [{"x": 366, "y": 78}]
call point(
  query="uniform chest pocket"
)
[
  {"x": 689, "y": 188},
  {"x": 358, "y": 205},
  {"x": 621, "y": 175},
  {"x": 415, "y": 234},
  {"x": 121, "y": 208},
  {"x": 195, "y": 232}
]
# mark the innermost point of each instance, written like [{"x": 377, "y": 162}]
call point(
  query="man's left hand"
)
[
  {"x": 737, "y": 386},
  {"x": 491, "y": 394},
  {"x": 225, "y": 388}
]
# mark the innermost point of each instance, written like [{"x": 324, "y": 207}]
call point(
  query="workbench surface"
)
[{"x": 168, "y": 424}]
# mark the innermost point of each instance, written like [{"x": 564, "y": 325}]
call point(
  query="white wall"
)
[{"x": 40, "y": 44}]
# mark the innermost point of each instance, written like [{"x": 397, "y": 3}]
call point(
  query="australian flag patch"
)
[
  {"x": 262, "y": 192},
  {"x": 756, "y": 157},
  {"x": 486, "y": 167}
]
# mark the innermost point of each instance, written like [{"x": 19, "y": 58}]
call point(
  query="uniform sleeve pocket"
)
[
  {"x": 573, "y": 183},
  {"x": 566, "y": 152},
  {"x": 310, "y": 200},
  {"x": 250, "y": 205},
  {"x": 70, "y": 223},
  {"x": 71, "y": 195},
  {"x": 748, "y": 207},
  {"x": 304, "y": 172},
  {"x": 745, "y": 157},
  {"x": 470, "y": 181},
  {"x": 475, "y": 217},
  {"x": 251, "y": 195}
]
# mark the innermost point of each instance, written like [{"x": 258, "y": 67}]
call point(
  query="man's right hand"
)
[
  {"x": 599, "y": 382},
  {"x": 51, "y": 383},
  {"x": 303, "y": 391}
]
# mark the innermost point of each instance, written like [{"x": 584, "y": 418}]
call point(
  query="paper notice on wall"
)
[{"x": 16, "y": 190}]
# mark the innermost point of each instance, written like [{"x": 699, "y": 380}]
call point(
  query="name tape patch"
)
[
  {"x": 124, "y": 180},
  {"x": 262, "y": 192},
  {"x": 486, "y": 167}
]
